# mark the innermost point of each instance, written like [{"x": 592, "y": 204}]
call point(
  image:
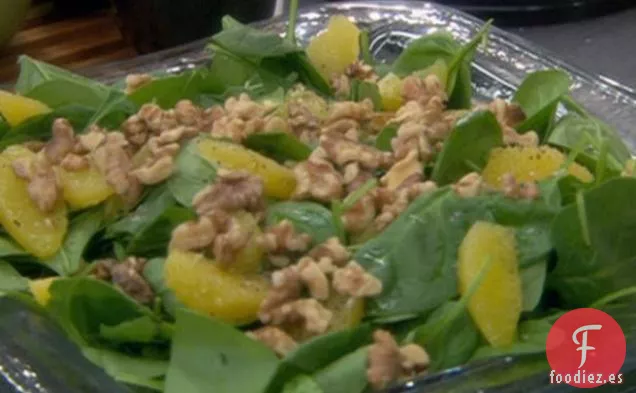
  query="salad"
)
[{"x": 310, "y": 220}]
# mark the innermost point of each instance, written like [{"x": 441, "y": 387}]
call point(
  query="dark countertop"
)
[{"x": 598, "y": 45}]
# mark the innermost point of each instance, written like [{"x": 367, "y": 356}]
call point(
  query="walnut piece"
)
[
  {"x": 302, "y": 122},
  {"x": 354, "y": 281},
  {"x": 74, "y": 162},
  {"x": 360, "y": 215},
  {"x": 155, "y": 172},
  {"x": 424, "y": 90},
  {"x": 415, "y": 359},
  {"x": 286, "y": 287},
  {"x": 282, "y": 239},
  {"x": 384, "y": 360},
  {"x": 469, "y": 186},
  {"x": 362, "y": 71},
  {"x": 316, "y": 178},
  {"x": 232, "y": 191},
  {"x": 411, "y": 137},
  {"x": 92, "y": 139},
  {"x": 314, "y": 278},
  {"x": 407, "y": 168},
  {"x": 313, "y": 315},
  {"x": 114, "y": 162},
  {"x": 62, "y": 142},
  {"x": 188, "y": 114},
  {"x": 276, "y": 339},
  {"x": 136, "y": 81},
  {"x": 128, "y": 276},
  {"x": 515, "y": 190},
  {"x": 358, "y": 111},
  {"x": 194, "y": 235},
  {"x": 230, "y": 240},
  {"x": 331, "y": 249},
  {"x": 342, "y": 151},
  {"x": 394, "y": 202},
  {"x": 43, "y": 187}
]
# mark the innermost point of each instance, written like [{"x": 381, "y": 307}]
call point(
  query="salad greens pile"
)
[{"x": 575, "y": 241}]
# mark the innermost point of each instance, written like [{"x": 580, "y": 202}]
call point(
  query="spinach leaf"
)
[
  {"x": 140, "y": 330},
  {"x": 153, "y": 273},
  {"x": 455, "y": 343},
  {"x": 57, "y": 87},
  {"x": 346, "y": 375},
  {"x": 595, "y": 240},
  {"x": 82, "y": 305},
  {"x": 154, "y": 238},
  {"x": 39, "y": 127},
  {"x": 114, "y": 110},
  {"x": 302, "y": 384},
  {"x": 168, "y": 90},
  {"x": 539, "y": 95},
  {"x": 532, "y": 284},
  {"x": 10, "y": 279},
  {"x": 361, "y": 90},
  {"x": 251, "y": 43},
  {"x": 415, "y": 256},
  {"x": 280, "y": 146},
  {"x": 573, "y": 128},
  {"x": 384, "y": 138},
  {"x": 9, "y": 248},
  {"x": 207, "y": 352},
  {"x": 192, "y": 173},
  {"x": 84, "y": 226},
  {"x": 532, "y": 337},
  {"x": 424, "y": 52},
  {"x": 467, "y": 147},
  {"x": 129, "y": 369},
  {"x": 4, "y": 126},
  {"x": 154, "y": 204},
  {"x": 307, "y": 217}
]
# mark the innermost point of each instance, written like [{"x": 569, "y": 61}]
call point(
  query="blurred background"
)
[{"x": 594, "y": 34}]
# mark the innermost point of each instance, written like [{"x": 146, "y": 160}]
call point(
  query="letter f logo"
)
[{"x": 584, "y": 348}]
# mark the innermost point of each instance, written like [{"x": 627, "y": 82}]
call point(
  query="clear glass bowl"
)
[{"x": 32, "y": 348}]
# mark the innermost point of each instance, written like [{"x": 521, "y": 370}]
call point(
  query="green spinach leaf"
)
[
  {"x": 39, "y": 127},
  {"x": 532, "y": 284},
  {"x": 424, "y": 52},
  {"x": 384, "y": 138},
  {"x": 68, "y": 259},
  {"x": 192, "y": 174},
  {"x": 154, "y": 238},
  {"x": 168, "y": 90},
  {"x": 595, "y": 240},
  {"x": 153, "y": 273},
  {"x": 113, "y": 111},
  {"x": 10, "y": 279},
  {"x": 415, "y": 256},
  {"x": 82, "y": 305},
  {"x": 280, "y": 146},
  {"x": 251, "y": 43},
  {"x": 573, "y": 128},
  {"x": 57, "y": 87},
  {"x": 154, "y": 204},
  {"x": 346, "y": 375},
  {"x": 307, "y": 217},
  {"x": 134, "y": 370},
  {"x": 468, "y": 147},
  {"x": 302, "y": 384},
  {"x": 532, "y": 337},
  {"x": 452, "y": 345},
  {"x": 207, "y": 352},
  {"x": 9, "y": 248},
  {"x": 361, "y": 90},
  {"x": 140, "y": 330},
  {"x": 539, "y": 95}
]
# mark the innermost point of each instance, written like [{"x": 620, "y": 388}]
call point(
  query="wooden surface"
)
[{"x": 70, "y": 42}]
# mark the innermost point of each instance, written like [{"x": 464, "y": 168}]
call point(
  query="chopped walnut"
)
[
  {"x": 22, "y": 167},
  {"x": 384, "y": 360},
  {"x": 340, "y": 127},
  {"x": 232, "y": 238},
  {"x": 136, "y": 81},
  {"x": 411, "y": 136},
  {"x": 286, "y": 287},
  {"x": 431, "y": 116},
  {"x": 359, "y": 111},
  {"x": 302, "y": 122},
  {"x": 74, "y": 162},
  {"x": 128, "y": 276},
  {"x": 407, "y": 168},
  {"x": 341, "y": 85},
  {"x": 527, "y": 139},
  {"x": 342, "y": 151},
  {"x": 358, "y": 218},
  {"x": 361, "y": 70},
  {"x": 282, "y": 239},
  {"x": 314, "y": 316},
  {"x": 508, "y": 114},
  {"x": 424, "y": 90},
  {"x": 314, "y": 278},
  {"x": 62, "y": 142},
  {"x": 113, "y": 161},
  {"x": 233, "y": 190},
  {"x": 354, "y": 281},
  {"x": 394, "y": 203},
  {"x": 158, "y": 150},
  {"x": 513, "y": 189},
  {"x": 92, "y": 139},
  {"x": 317, "y": 178},
  {"x": 156, "y": 119},
  {"x": 136, "y": 130},
  {"x": 43, "y": 187},
  {"x": 155, "y": 172},
  {"x": 415, "y": 359},
  {"x": 469, "y": 186},
  {"x": 242, "y": 118},
  {"x": 101, "y": 269},
  {"x": 276, "y": 339},
  {"x": 355, "y": 177},
  {"x": 194, "y": 235},
  {"x": 331, "y": 249},
  {"x": 177, "y": 134},
  {"x": 188, "y": 114},
  {"x": 275, "y": 123},
  {"x": 34, "y": 146}
]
